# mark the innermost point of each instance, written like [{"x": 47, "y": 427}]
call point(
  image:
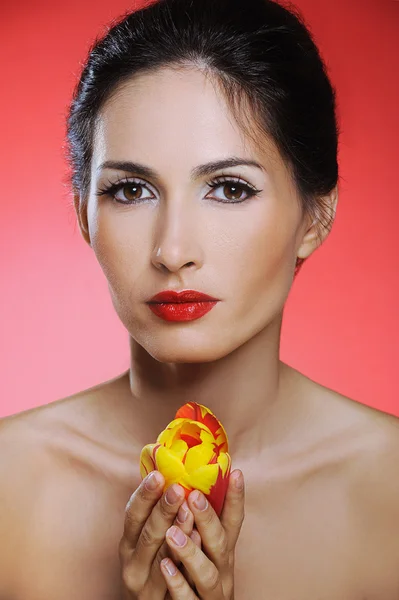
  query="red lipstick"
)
[{"x": 187, "y": 305}]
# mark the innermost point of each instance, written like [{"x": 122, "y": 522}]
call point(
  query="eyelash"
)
[{"x": 112, "y": 188}]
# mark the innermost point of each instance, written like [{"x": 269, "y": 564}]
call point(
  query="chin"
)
[
  {"x": 183, "y": 356},
  {"x": 184, "y": 346}
]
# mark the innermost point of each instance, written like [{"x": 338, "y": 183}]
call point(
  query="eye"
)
[
  {"x": 234, "y": 190},
  {"x": 131, "y": 191},
  {"x": 126, "y": 191}
]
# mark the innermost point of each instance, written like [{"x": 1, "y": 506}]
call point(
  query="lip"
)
[
  {"x": 186, "y": 305},
  {"x": 183, "y": 296}
]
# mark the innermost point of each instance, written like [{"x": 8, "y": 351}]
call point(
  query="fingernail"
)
[
  {"x": 238, "y": 481},
  {"x": 152, "y": 481},
  {"x": 199, "y": 500},
  {"x": 171, "y": 495},
  {"x": 182, "y": 513},
  {"x": 170, "y": 567},
  {"x": 177, "y": 536}
]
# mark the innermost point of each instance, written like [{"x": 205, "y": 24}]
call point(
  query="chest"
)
[
  {"x": 302, "y": 539},
  {"x": 309, "y": 541}
]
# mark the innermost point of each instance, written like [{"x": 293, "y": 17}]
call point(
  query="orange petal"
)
[
  {"x": 202, "y": 414},
  {"x": 218, "y": 491},
  {"x": 196, "y": 433}
]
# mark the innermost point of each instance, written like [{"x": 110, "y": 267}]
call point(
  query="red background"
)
[{"x": 59, "y": 331}]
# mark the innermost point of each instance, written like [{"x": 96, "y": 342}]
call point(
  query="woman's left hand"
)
[{"x": 211, "y": 569}]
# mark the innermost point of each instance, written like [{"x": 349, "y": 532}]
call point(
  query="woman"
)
[{"x": 202, "y": 140}]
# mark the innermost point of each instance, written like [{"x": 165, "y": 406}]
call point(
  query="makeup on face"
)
[{"x": 186, "y": 305}]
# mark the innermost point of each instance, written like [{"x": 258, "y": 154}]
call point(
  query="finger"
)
[
  {"x": 153, "y": 532},
  {"x": 195, "y": 536},
  {"x": 185, "y": 520},
  {"x": 156, "y": 585},
  {"x": 206, "y": 576},
  {"x": 138, "y": 509},
  {"x": 213, "y": 535},
  {"x": 233, "y": 513},
  {"x": 178, "y": 587}
]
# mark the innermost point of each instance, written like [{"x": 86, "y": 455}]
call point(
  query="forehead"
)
[{"x": 174, "y": 113}]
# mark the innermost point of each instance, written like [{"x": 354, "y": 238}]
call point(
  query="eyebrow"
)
[{"x": 197, "y": 172}]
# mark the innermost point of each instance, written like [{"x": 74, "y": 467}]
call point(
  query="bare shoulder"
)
[
  {"x": 89, "y": 419},
  {"x": 376, "y": 469},
  {"x": 373, "y": 477},
  {"x": 60, "y": 479},
  {"x": 366, "y": 440},
  {"x": 375, "y": 429}
]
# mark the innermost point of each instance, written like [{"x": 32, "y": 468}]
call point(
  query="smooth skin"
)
[{"x": 321, "y": 469}]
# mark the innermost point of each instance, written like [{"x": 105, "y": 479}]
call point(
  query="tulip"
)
[{"x": 193, "y": 452}]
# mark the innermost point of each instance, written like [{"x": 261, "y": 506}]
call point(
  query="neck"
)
[{"x": 247, "y": 390}]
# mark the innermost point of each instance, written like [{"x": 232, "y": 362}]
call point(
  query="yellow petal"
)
[
  {"x": 193, "y": 432},
  {"x": 167, "y": 436},
  {"x": 197, "y": 456},
  {"x": 202, "y": 479},
  {"x": 179, "y": 447},
  {"x": 224, "y": 461},
  {"x": 147, "y": 463},
  {"x": 206, "y": 435},
  {"x": 169, "y": 465}
]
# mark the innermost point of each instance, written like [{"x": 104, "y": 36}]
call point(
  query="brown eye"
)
[
  {"x": 132, "y": 191},
  {"x": 232, "y": 191},
  {"x": 127, "y": 192}
]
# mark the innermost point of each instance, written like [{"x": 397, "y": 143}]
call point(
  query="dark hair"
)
[{"x": 262, "y": 56}]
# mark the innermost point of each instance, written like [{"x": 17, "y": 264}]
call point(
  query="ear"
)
[
  {"x": 315, "y": 233},
  {"x": 81, "y": 214}
]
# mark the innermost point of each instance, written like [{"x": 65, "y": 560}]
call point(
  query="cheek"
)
[
  {"x": 120, "y": 244},
  {"x": 258, "y": 250}
]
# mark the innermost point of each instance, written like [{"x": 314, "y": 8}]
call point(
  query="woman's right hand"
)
[{"x": 148, "y": 516}]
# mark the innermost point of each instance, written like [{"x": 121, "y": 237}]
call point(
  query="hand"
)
[
  {"x": 211, "y": 570},
  {"x": 148, "y": 515}
]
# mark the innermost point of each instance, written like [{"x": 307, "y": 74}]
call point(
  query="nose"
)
[{"x": 176, "y": 241}]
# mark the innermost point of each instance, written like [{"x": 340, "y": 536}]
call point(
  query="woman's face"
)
[{"x": 178, "y": 233}]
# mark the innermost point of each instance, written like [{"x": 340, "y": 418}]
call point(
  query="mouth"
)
[
  {"x": 171, "y": 296},
  {"x": 187, "y": 305}
]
